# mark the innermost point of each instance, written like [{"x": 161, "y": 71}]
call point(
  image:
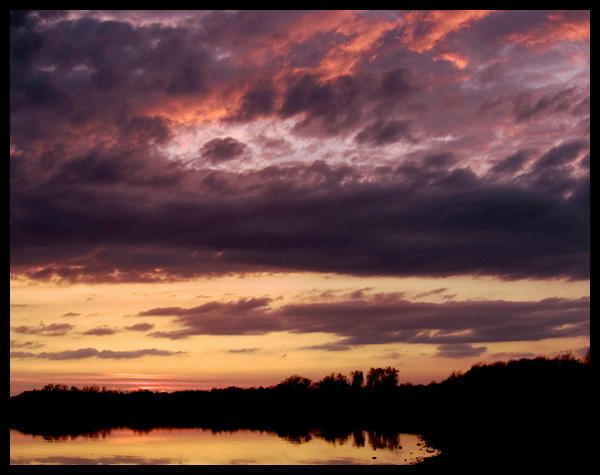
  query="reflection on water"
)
[{"x": 198, "y": 446}]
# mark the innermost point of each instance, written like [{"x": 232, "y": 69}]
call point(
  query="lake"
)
[{"x": 200, "y": 446}]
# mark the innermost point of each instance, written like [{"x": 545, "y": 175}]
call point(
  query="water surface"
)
[{"x": 198, "y": 446}]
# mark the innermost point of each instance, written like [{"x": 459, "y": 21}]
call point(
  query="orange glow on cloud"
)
[
  {"x": 442, "y": 23},
  {"x": 190, "y": 111},
  {"x": 460, "y": 61},
  {"x": 342, "y": 58},
  {"x": 361, "y": 33},
  {"x": 556, "y": 30},
  {"x": 297, "y": 32}
]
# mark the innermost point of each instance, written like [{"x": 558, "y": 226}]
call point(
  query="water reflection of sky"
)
[{"x": 204, "y": 446}]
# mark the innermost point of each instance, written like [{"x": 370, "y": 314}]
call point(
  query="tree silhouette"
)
[
  {"x": 357, "y": 380},
  {"x": 295, "y": 383},
  {"x": 334, "y": 383},
  {"x": 382, "y": 378}
]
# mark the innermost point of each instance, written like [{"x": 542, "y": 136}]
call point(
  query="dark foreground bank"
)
[{"x": 534, "y": 412}]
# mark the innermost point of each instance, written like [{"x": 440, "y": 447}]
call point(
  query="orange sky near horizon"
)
[{"x": 245, "y": 360}]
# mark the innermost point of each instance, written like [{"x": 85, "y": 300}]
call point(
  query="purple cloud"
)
[
  {"x": 401, "y": 227},
  {"x": 54, "y": 329},
  {"x": 25, "y": 344},
  {"x": 221, "y": 150},
  {"x": 140, "y": 327},
  {"x": 392, "y": 155},
  {"x": 83, "y": 353},
  {"x": 452, "y": 325},
  {"x": 100, "y": 331},
  {"x": 244, "y": 317},
  {"x": 459, "y": 350}
]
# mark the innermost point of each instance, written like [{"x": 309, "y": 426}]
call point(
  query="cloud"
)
[
  {"x": 459, "y": 350},
  {"x": 244, "y": 317},
  {"x": 54, "y": 329},
  {"x": 69, "y": 354},
  {"x": 127, "y": 139},
  {"x": 527, "y": 106},
  {"x": 25, "y": 344},
  {"x": 94, "y": 353},
  {"x": 109, "y": 354},
  {"x": 22, "y": 354},
  {"x": 328, "y": 347},
  {"x": 243, "y": 350},
  {"x": 560, "y": 155},
  {"x": 258, "y": 101},
  {"x": 387, "y": 318},
  {"x": 330, "y": 106},
  {"x": 222, "y": 150},
  {"x": 430, "y": 292},
  {"x": 100, "y": 331},
  {"x": 401, "y": 321},
  {"x": 140, "y": 327},
  {"x": 307, "y": 217},
  {"x": 380, "y": 133},
  {"x": 510, "y": 165}
]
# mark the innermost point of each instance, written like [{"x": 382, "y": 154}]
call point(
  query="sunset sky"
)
[{"x": 211, "y": 198}]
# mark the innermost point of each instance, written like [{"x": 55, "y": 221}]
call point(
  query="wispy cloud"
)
[
  {"x": 94, "y": 353},
  {"x": 53, "y": 329}
]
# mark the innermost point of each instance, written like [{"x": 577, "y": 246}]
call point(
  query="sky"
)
[{"x": 226, "y": 198}]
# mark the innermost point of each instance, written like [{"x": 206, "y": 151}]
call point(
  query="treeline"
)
[
  {"x": 297, "y": 403},
  {"x": 485, "y": 408},
  {"x": 377, "y": 379}
]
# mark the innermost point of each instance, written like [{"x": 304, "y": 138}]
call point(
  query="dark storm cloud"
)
[
  {"x": 95, "y": 102},
  {"x": 78, "y": 73},
  {"x": 94, "y": 353},
  {"x": 387, "y": 318},
  {"x": 551, "y": 173},
  {"x": 395, "y": 83},
  {"x": 222, "y": 150},
  {"x": 560, "y": 155},
  {"x": 257, "y": 102},
  {"x": 510, "y": 165},
  {"x": 427, "y": 221},
  {"x": 527, "y": 106},
  {"x": 333, "y": 105}
]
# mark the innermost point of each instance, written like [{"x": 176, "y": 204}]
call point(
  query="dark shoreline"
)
[{"x": 525, "y": 412}]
